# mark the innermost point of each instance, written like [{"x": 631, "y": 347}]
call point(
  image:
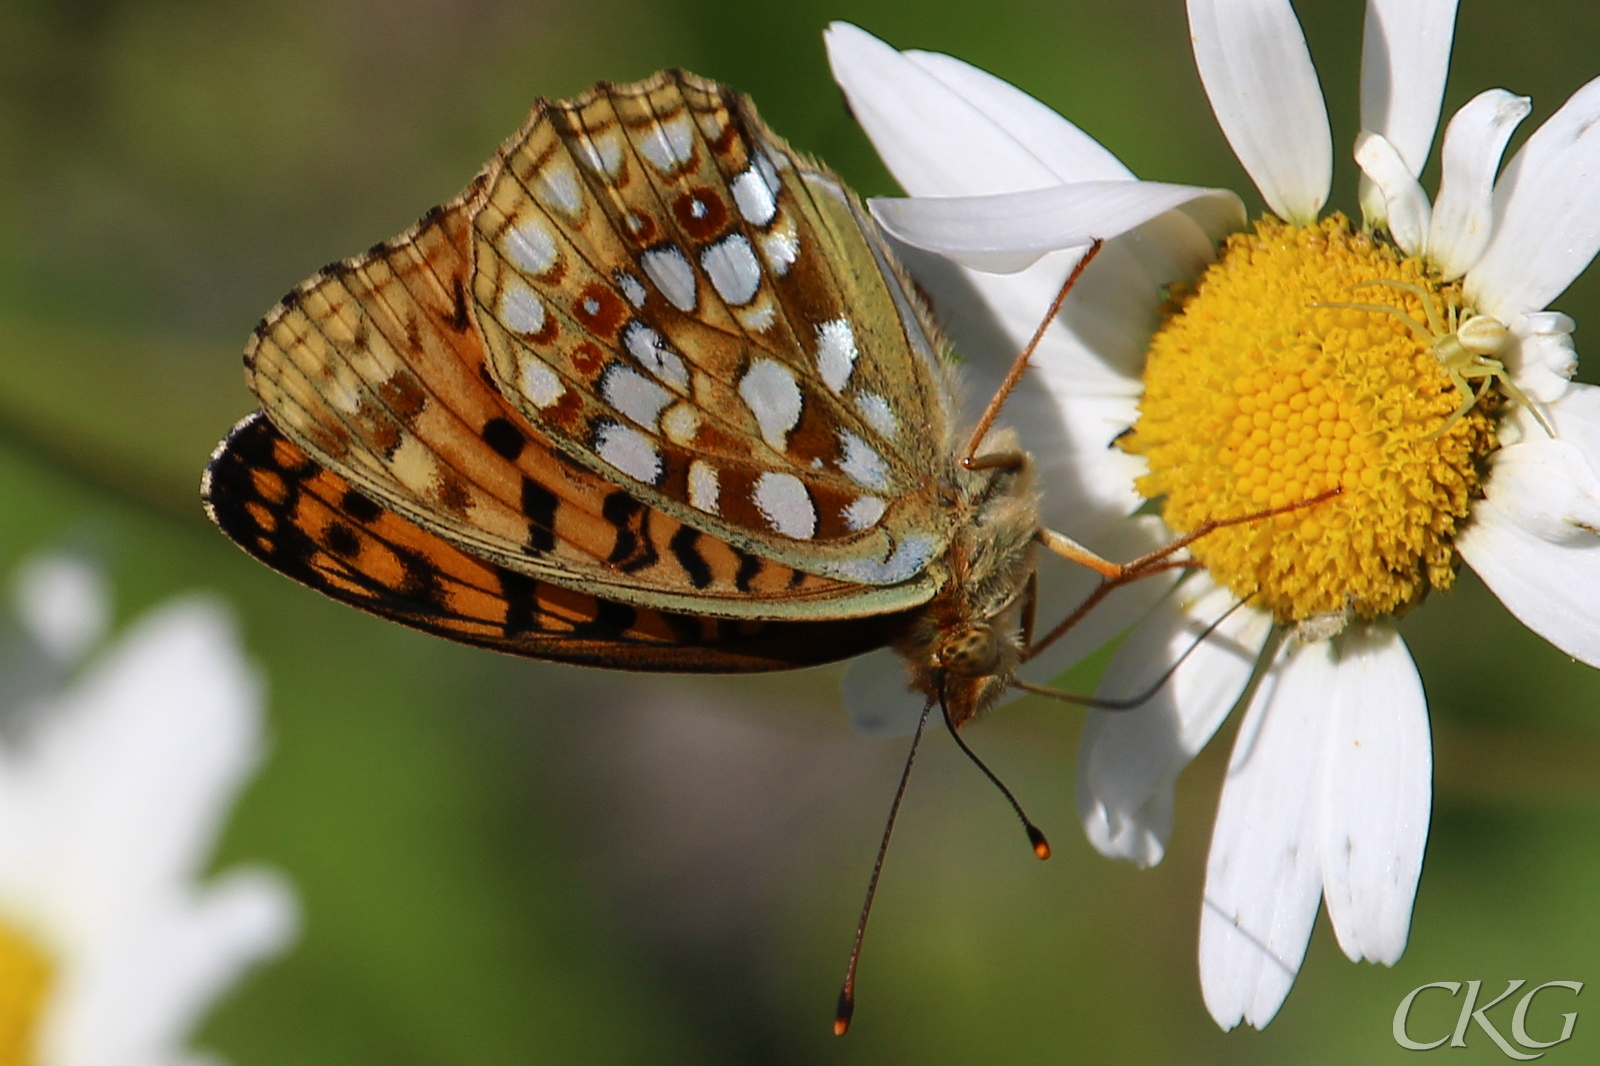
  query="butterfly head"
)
[
  {"x": 971, "y": 668},
  {"x": 968, "y": 664},
  {"x": 971, "y": 651}
]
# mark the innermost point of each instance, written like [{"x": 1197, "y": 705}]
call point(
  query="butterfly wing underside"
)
[
  {"x": 310, "y": 524},
  {"x": 389, "y": 371},
  {"x": 649, "y": 393},
  {"x": 689, "y": 308}
]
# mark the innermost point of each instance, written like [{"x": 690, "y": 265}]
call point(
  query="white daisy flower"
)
[
  {"x": 1307, "y": 356},
  {"x": 112, "y": 792}
]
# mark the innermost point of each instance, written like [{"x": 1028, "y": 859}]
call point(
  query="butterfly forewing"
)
[
  {"x": 307, "y": 522},
  {"x": 687, "y": 308}
]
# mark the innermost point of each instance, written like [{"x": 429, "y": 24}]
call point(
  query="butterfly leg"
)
[
  {"x": 1070, "y": 550},
  {"x": 1030, "y": 608},
  {"x": 1112, "y": 576},
  {"x": 1020, "y": 364},
  {"x": 1128, "y": 703},
  {"x": 1115, "y": 575},
  {"x": 1011, "y": 460},
  {"x": 1151, "y": 562}
]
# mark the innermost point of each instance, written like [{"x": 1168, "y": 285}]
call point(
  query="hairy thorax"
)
[{"x": 964, "y": 647}]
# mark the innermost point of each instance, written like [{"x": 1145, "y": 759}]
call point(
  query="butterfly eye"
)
[{"x": 970, "y": 652}]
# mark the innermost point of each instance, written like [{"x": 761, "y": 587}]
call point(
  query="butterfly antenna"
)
[
  {"x": 847, "y": 994},
  {"x": 1020, "y": 364},
  {"x": 1041, "y": 846}
]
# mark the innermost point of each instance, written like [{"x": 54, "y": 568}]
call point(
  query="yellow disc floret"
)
[
  {"x": 25, "y": 974},
  {"x": 1259, "y": 395}
]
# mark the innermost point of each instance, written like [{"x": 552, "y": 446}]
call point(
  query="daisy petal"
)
[
  {"x": 1097, "y": 344},
  {"x": 146, "y": 995},
  {"x": 168, "y": 725},
  {"x": 1009, "y": 232},
  {"x": 1551, "y": 585},
  {"x": 1264, "y": 876},
  {"x": 1377, "y": 786},
  {"x": 1463, "y": 214},
  {"x": 1405, "y": 204},
  {"x": 934, "y": 142},
  {"x": 237, "y": 919},
  {"x": 1554, "y": 589},
  {"x": 1091, "y": 481},
  {"x": 1129, "y": 760},
  {"x": 1405, "y": 55},
  {"x": 1071, "y": 154},
  {"x": 1548, "y": 487},
  {"x": 877, "y": 696},
  {"x": 1577, "y": 417},
  {"x": 1541, "y": 358},
  {"x": 1547, "y": 219},
  {"x": 1257, "y": 71}
]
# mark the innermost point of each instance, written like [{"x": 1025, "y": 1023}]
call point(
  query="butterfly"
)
[{"x": 651, "y": 393}]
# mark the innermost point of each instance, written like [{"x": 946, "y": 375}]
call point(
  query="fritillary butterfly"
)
[{"x": 652, "y": 393}]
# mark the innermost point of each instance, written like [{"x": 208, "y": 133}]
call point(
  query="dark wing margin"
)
[{"x": 309, "y": 524}]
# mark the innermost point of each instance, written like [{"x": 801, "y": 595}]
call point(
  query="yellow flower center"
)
[
  {"x": 25, "y": 974},
  {"x": 1256, "y": 397}
]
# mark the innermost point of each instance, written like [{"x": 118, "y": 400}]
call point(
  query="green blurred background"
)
[{"x": 512, "y": 862}]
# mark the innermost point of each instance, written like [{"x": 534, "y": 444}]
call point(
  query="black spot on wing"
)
[
  {"x": 539, "y": 506},
  {"x": 684, "y": 549},
  {"x": 687, "y": 628},
  {"x": 520, "y": 593},
  {"x": 460, "y": 319},
  {"x": 504, "y": 438},
  {"x": 342, "y": 540},
  {"x": 749, "y": 567},
  {"x": 610, "y": 622},
  {"x": 230, "y": 492},
  {"x": 420, "y": 584},
  {"x": 633, "y": 549},
  {"x": 360, "y": 507}
]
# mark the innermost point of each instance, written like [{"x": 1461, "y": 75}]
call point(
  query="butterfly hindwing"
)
[{"x": 308, "y": 523}]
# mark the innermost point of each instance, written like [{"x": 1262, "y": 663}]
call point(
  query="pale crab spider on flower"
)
[{"x": 1464, "y": 347}]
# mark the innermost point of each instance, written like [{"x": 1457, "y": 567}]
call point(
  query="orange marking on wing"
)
[{"x": 270, "y": 486}]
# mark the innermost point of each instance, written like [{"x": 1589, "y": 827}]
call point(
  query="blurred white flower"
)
[
  {"x": 1283, "y": 372},
  {"x": 112, "y": 792},
  {"x": 63, "y": 602}
]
